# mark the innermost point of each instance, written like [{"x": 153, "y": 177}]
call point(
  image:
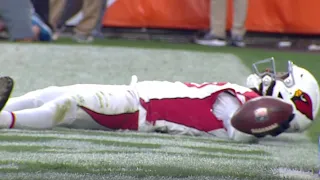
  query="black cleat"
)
[{"x": 6, "y": 87}]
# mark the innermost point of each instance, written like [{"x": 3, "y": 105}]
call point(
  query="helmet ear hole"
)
[{"x": 280, "y": 95}]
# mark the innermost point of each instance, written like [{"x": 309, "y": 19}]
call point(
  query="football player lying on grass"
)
[{"x": 162, "y": 106}]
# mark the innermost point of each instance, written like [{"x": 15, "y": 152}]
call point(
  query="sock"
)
[{"x": 7, "y": 119}]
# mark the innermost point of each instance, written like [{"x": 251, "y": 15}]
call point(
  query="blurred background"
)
[{"x": 240, "y": 23}]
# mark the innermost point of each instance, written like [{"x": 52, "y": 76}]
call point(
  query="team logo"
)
[
  {"x": 303, "y": 103},
  {"x": 261, "y": 114}
]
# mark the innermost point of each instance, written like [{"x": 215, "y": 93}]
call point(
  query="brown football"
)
[{"x": 263, "y": 116}]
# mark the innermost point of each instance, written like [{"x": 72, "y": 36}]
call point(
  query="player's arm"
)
[{"x": 224, "y": 109}]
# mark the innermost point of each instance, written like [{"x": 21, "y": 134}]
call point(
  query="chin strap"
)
[{"x": 269, "y": 91}]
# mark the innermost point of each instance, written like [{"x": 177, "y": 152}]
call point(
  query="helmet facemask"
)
[
  {"x": 295, "y": 85},
  {"x": 266, "y": 70}
]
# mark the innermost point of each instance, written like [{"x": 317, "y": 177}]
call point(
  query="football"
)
[{"x": 263, "y": 116}]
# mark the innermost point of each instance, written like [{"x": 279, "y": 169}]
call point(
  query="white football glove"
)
[
  {"x": 253, "y": 81},
  {"x": 260, "y": 84}
]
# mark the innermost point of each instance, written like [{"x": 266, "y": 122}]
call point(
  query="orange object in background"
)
[
  {"x": 280, "y": 16},
  {"x": 284, "y": 16}
]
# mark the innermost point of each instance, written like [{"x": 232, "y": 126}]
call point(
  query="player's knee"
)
[{"x": 61, "y": 109}]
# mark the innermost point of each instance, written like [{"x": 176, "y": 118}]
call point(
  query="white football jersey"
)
[
  {"x": 170, "y": 107},
  {"x": 190, "y": 108}
]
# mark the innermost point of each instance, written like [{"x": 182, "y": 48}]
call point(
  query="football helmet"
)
[{"x": 296, "y": 86}]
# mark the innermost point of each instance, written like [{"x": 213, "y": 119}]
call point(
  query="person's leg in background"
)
[
  {"x": 218, "y": 18},
  {"x": 56, "y": 9},
  {"x": 97, "y": 31},
  {"x": 70, "y": 8},
  {"x": 17, "y": 19},
  {"x": 91, "y": 12},
  {"x": 240, "y": 8},
  {"x": 217, "y": 34}
]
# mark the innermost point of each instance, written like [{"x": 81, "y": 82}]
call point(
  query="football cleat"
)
[{"x": 6, "y": 87}]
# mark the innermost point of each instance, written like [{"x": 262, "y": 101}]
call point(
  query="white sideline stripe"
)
[
  {"x": 289, "y": 173},
  {"x": 8, "y": 166}
]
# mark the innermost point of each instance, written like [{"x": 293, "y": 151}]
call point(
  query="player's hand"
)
[{"x": 283, "y": 126}]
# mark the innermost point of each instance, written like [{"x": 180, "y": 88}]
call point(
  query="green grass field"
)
[{"x": 83, "y": 154}]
